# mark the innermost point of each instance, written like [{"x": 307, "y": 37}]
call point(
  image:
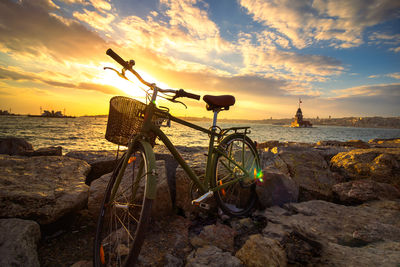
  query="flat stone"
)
[
  {"x": 43, "y": 188},
  {"x": 18, "y": 242}
]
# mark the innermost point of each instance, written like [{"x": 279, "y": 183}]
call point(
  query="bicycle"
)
[{"x": 232, "y": 168}]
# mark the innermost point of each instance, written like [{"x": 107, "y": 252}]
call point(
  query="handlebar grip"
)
[
  {"x": 117, "y": 58},
  {"x": 183, "y": 93}
]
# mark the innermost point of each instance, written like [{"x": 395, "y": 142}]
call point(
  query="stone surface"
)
[
  {"x": 350, "y": 143},
  {"x": 92, "y": 156},
  {"x": 14, "y": 146},
  {"x": 211, "y": 256},
  {"x": 393, "y": 142},
  {"x": 101, "y": 162},
  {"x": 45, "y": 151},
  {"x": 259, "y": 251},
  {"x": 42, "y": 188},
  {"x": 218, "y": 235},
  {"x": 309, "y": 170},
  {"x": 82, "y": 264},
  {"x": 318, "y": 232},
  {"x": 18, "y": 242},
  {"x": 276, "y": 188},
  {"x": 379, "y": 164},
  {"x": 360, "y": 191},
  {"x": 166, "y": 241}
]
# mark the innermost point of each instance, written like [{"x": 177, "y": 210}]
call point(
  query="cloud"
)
[
  {"x": 395, "y": 75},
  {"x": 100, "y": 21},
  {"x": 376, "y": 90},
  {"x": 18, "y": 75},
  {"x": 340, "y": 22},
  {"x": 40, "y": 33}
]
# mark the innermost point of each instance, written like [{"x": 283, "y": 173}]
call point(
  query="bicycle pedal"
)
[{"x": 198, "y": 201}]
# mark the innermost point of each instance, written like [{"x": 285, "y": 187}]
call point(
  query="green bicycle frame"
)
[{"x": 213, "y": 152}]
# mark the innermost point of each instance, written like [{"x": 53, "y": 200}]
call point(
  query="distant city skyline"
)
[{"x": 341, "y": 57}]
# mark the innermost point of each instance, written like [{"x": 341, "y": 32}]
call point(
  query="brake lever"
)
[
  {"x": 176, "y": 101},
  {"x": 120, "y": 74}
]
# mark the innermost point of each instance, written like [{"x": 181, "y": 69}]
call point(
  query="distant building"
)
[{"x": 298, "y": 119}]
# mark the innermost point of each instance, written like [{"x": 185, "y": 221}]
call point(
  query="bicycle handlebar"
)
[
  {"x": 117, "y": 58},
  {"x": 126, "y": 65}
]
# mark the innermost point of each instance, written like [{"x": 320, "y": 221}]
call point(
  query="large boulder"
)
[
  {"x": 350, "y": 143},
  {"x": 360, "y": 191},
  {"x": 378, "y": 164},
  {"x": 330, "y": 234},
  {"x": 101, "y": 162},
  {"x": 42, "y": 188},
  {"x": 14, "y": 146},
  {"x": 392, "y": 142},
  {"x": 18, "y": 242},
  {"x": 308, "y": 168},
  {"x": 277, "y": 188},
  {"x": 260, "y": 251}
]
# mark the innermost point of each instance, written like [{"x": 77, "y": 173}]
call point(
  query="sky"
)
[{"x": 340, "y": 57}]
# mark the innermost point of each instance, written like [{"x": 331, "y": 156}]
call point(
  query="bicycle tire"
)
[
  {"x": 122, "y": 224},
  {"x": 241, "y": 203}
]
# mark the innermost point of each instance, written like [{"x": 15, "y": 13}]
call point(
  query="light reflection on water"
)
[{"x": 87, "y": 133}]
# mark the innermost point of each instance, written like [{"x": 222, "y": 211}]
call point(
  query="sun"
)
[{"x": 133, "y": 87}]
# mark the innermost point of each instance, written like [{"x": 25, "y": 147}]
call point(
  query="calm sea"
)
[{"x": 87, "y": 133}]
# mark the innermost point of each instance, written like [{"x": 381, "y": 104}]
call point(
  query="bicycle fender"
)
[{"x": 151, "y": 185}]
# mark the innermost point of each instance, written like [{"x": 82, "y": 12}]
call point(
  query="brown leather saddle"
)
[{"x": 221, "y": 102}]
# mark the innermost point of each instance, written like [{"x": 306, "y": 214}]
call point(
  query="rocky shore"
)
[{"x": 326, "y": 204}]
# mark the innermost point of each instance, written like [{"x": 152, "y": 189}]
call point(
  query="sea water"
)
[{"x": 87, "y": 133}]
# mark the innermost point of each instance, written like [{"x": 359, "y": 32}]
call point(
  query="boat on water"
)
[
  {"x": 298, "y": 121},
  {"x": 52, "y": 114}
]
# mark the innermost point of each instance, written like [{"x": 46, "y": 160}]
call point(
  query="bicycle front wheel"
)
[
  {"x": 123, "y": 219},
  {"x": 240, "y": 160}
]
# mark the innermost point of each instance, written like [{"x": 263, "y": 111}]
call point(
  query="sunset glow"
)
[{"x": 341, "y": 57}]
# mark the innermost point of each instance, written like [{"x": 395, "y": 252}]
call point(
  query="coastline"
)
[{"x": 317, "y": 180}]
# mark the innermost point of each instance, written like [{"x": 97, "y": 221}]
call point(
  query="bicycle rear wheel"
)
[
  {"x": 239, "y": 198},
  {"x": 122, "y": 221}
]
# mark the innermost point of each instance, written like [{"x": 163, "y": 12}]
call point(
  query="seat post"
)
[{"x": 214, "y": 125}]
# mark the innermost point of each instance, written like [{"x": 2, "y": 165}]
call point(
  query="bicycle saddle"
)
[{"x": 219, "y": 102}]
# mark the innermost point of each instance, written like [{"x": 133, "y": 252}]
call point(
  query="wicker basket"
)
[{"x": 125, "y": 120}]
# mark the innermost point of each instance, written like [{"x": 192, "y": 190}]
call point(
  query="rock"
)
[
  {"x": 360, "y": 191},
  {"x": 276, "y": 188},
  {"x": 262, "y": 251},
  {"x": 42, "y": 188},
  {"x": 318, "y": 232},
  {"x": 18, "y": 242},
  {"x": 218, "y": 235},
  {"x": 161, "y": 206},
  {"x": 377, "y": 254},
  {"x": 82, "y": 264},
  {"x": 101, "y": 162},
  {"x": 328, "y": 152},
  {"x": 172, "y": 261},
  {"x": 309, "y": 170},
  {"x": 378, "y": 164},
  {"x": 393, "y": 142},
  {"x": 211, "y": 256},
  {"x": 45, "y": 151},
  {"x": 92, "y": 156},
  {"x": 166, "y": 241},
  {"x": 350, "y": 143},
  {"x": 14, "y": 146}
]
